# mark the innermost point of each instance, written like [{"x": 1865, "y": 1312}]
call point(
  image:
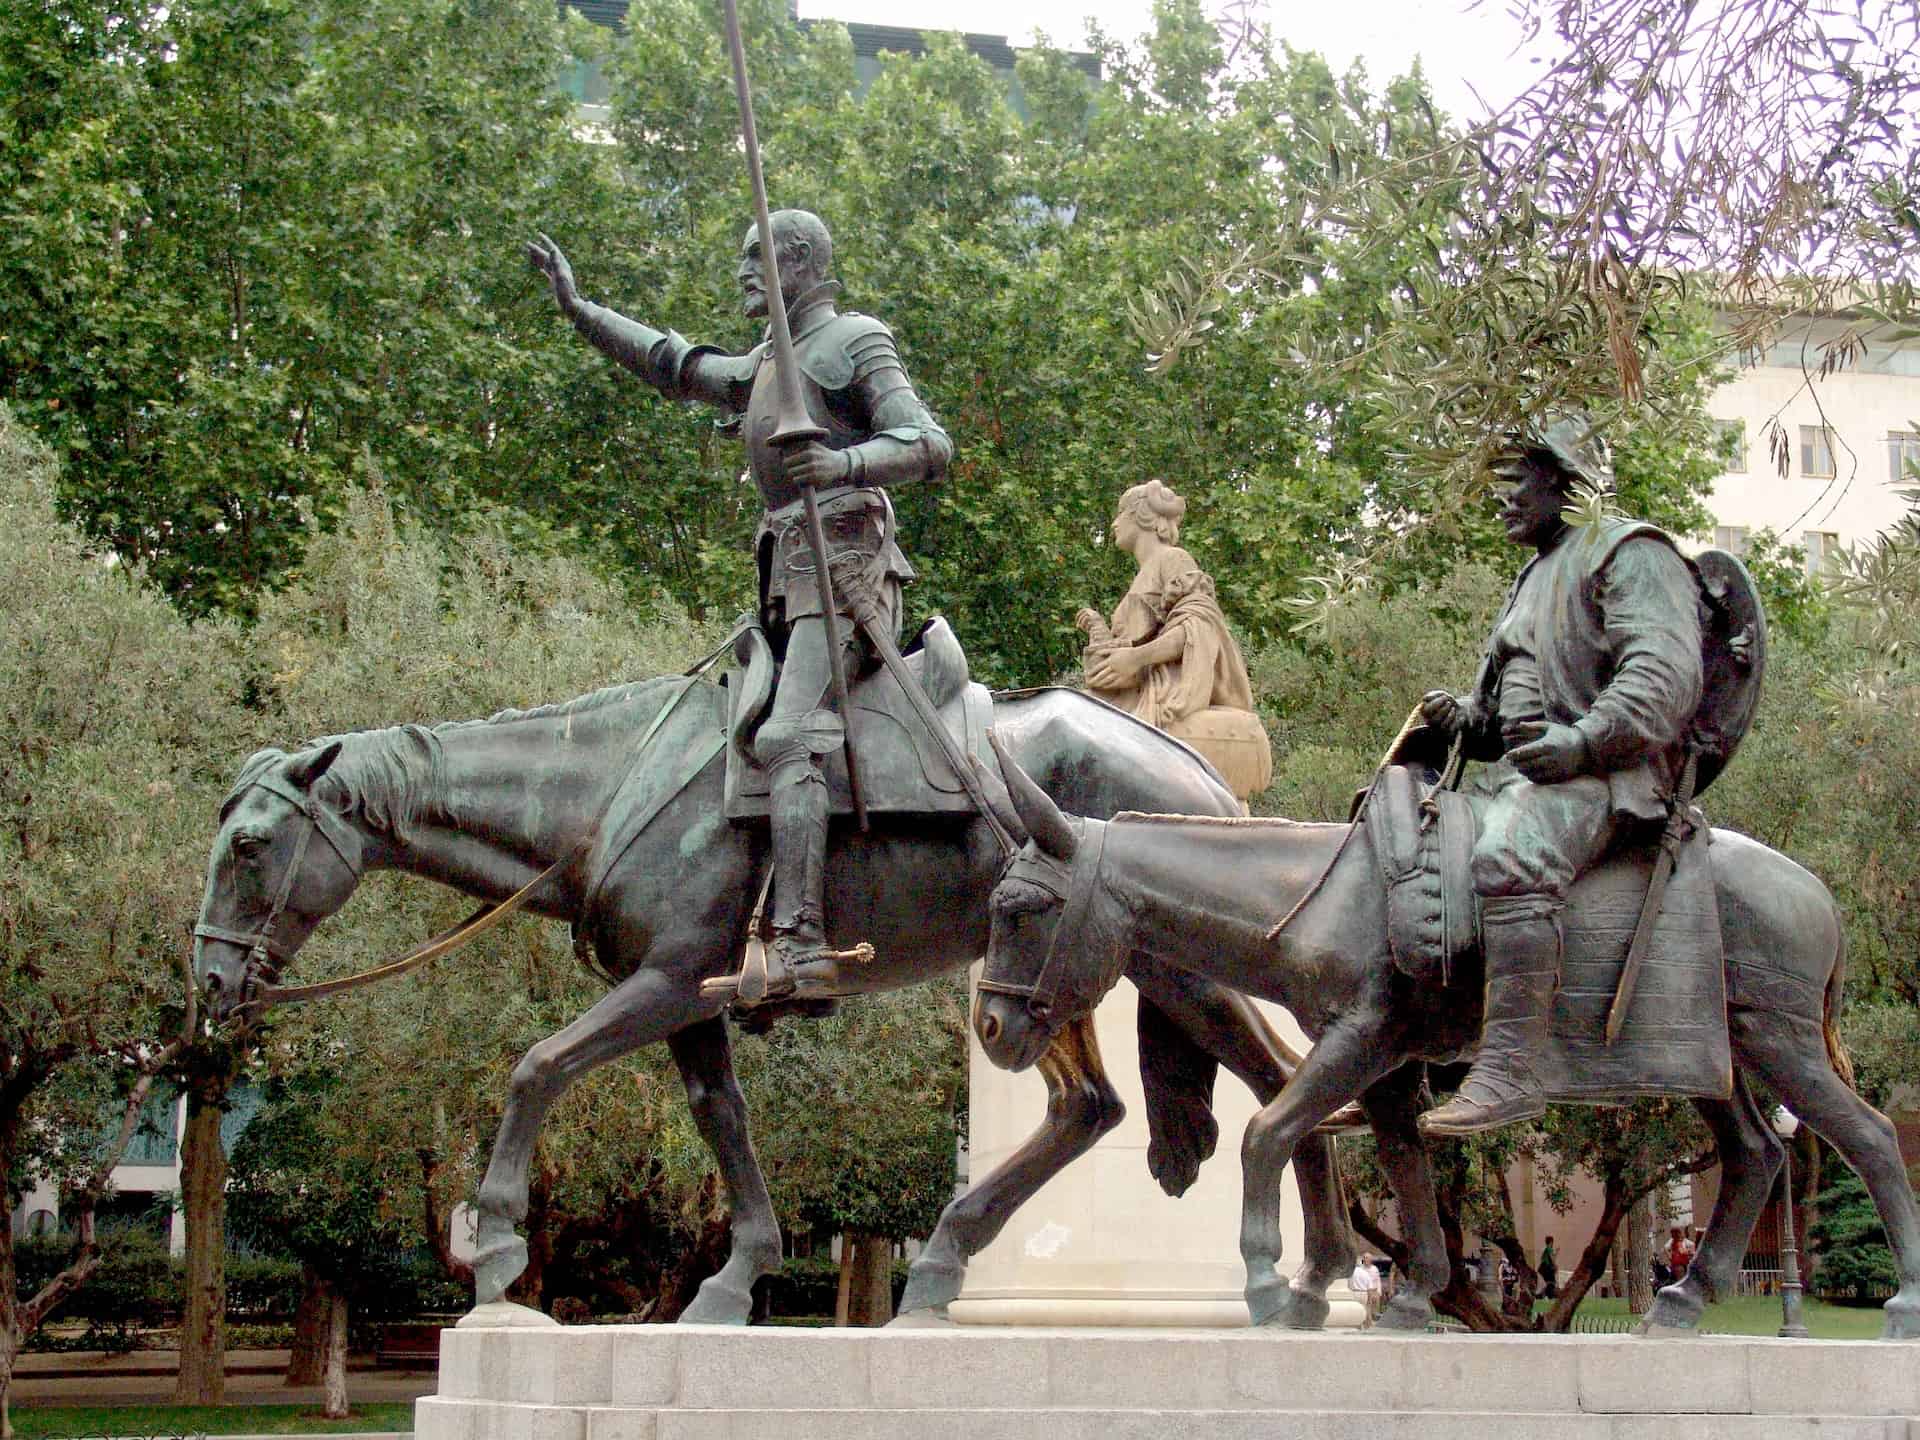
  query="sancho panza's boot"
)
[{"x": 1521, "y": 935}]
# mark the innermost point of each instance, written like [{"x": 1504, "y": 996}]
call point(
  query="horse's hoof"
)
[
  {"x": 931, "y": 1288},
  {"x": 1405, "y": 1312},
  {"x": 497, "y": 1266},
  {"x": 1902, "y": 1320},
  {"x": 718, "y": 1304},
  {"x": 933, "y": 1319}
]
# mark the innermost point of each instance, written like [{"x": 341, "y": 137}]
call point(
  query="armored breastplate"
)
[{"x": 828, "y": 409}]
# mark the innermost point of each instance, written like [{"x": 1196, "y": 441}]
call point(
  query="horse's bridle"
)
[
  {"x": 1074, "y": 886},
  {"x": 263, "y": 959}
]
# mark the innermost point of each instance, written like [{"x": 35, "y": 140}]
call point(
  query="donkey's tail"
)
[{"x": 1829, "y": 1022}]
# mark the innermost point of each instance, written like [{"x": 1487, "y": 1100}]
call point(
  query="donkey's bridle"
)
[
  {"x": 262, "y": 955},
  {"x": 1074, "y": 886}
]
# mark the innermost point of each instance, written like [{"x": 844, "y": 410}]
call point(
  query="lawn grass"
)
[
  {"x": 1760, "y": 1315},
  {"x": 52, "y": 1422}
]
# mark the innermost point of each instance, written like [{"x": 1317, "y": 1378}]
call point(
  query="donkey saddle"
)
[{"x": 1674, "y": 1041}]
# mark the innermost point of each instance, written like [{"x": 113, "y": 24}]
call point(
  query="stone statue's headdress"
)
[{"x": 1571, "y": 439}]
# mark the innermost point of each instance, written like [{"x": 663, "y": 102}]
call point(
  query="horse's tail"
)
[
  {"x": 1829, "y": 1021},
  {"x": 1176, "y": 1077}
]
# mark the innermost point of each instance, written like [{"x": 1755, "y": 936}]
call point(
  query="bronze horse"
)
[
  {"x": 485, "y": 806},
  {"x": 1205, "y": 893}
]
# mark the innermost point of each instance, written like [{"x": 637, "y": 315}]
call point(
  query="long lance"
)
[{"x": 794, "y": 426}]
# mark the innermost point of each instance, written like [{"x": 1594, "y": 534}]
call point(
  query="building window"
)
[
  {"x": 1730, "y": 538},
  {"x": 1903, "y": 457},
  {"x": 1823, "y": 550},
  {"x": 1816, "y": 452},
  {"x": 1730, "y": 445}
]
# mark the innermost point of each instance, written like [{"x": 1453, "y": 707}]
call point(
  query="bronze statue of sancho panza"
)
[
  {"x": 1591, "y": 679},
  {"x": 878, "y": 433}
]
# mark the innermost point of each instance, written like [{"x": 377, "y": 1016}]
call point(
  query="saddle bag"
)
[{"x": 1424, "y": 843}]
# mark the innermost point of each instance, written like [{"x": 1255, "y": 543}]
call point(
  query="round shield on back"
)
[{"x": 1733, "y": 661}]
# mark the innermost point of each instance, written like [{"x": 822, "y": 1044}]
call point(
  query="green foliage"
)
[
  {"x": 1848, "y": 1240},
  {"x": 136, "y": 1284}
]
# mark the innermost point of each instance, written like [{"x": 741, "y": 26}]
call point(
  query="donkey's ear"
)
[
  {"x": 1050, "y": 829},
  {"x": 310, "y": 765}
]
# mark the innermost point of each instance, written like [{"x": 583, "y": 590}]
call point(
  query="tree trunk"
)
[
  {"x": 203, "y": 1326},
  {"x": 9, "y": 1342},
  {"x": 1640, "y": 1256},
  {"x": 870, "y": 1288},
  {"x": 334, "y": 1407},
  {"x": 307, "y": 1364},
  {"x": 843, "y": 1300},
  {"x": 1592, "y": 1262}
]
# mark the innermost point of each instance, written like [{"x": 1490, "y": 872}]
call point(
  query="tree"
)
[
  {"x": 102, "y": 707},
  {"x": 1847, "y": 1239},
  {"x": 1757, "y": 156},
  {"x": 237, "y": 251}
]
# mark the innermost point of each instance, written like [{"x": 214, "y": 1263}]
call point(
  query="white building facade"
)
[{"x": 1848, "y": 439}]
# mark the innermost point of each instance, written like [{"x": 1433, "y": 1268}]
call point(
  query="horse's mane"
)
[{"x": 395, "y": 776}]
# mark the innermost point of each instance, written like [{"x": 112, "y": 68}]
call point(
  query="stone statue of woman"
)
[{"x": 1167, "y": 655}]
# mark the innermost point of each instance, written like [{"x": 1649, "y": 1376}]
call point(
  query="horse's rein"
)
[{"x": 260, "y": 943}]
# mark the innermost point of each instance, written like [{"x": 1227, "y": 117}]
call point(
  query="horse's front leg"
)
[
  {"x": 647, "y": 1006},
  {"x": 1081, "y": 1107},
  {"x": 705, "y": 1057},
  {"x": 1392, "y": 1104},
  {"x": 1345, "y": 1061}
]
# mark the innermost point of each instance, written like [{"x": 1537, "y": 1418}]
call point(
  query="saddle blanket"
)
[
  {"x": 903, "y": 770},
  {"x": 1674, "y": 1037}
]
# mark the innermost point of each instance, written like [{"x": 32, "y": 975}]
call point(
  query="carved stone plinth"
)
[{"x": 697, "y": 1383}]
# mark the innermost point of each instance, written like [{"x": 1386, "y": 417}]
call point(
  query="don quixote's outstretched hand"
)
[{"x": 550, "y": 261}]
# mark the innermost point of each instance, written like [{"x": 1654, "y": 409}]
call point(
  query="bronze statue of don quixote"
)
[{"x": 772, "y": 846}]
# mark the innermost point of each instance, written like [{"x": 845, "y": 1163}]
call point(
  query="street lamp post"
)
[{"x": 1793, "y": 1323}]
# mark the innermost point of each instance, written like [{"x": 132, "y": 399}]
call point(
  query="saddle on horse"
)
[{"x": 903, "y": 768}]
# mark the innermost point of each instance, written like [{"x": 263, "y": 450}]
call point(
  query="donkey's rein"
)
[
  {"x": 1449, "y": 778},
  {"x": 487, "y": 916}
]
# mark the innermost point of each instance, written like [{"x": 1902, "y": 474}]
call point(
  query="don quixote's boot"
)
[{"x": 1521, "y": 938}]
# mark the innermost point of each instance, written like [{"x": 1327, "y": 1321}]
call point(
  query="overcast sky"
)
[{"x": 1456, "y": 44}]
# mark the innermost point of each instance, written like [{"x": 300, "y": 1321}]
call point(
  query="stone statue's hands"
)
[
  {"x": 1115, "y": 669},
  {"x": 547, "y": 258},
  {"x": 1446, "y": 711},
  {"x": 817, "y": 467},
  {"x": 1547, "y": 754}
]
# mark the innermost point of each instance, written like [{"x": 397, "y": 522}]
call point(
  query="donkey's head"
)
[
  {"x": 1044, "y": 967},
  {"x": 268, "y": 883}
]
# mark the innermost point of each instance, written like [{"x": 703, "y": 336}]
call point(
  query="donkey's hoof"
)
[
  {"x": 1675, "y": 1312},
  {"x": 935, "y": 1318},
  {"x": 1902, "y": 1320},
  {"x": 931, "y": 1287},
  {"x": 1307, "y": 1311},
  {"x": 497, "y": 1266},
  {"x": 718, "y": 1304},
  {"x": 1272, "y": 1303},
  {"x": 1405, "y": 1312}
]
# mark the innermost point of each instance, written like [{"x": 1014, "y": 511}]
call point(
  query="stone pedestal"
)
[
  {"x": 666, "y": 1382},
  {"x": 1101, "y": 1244}
]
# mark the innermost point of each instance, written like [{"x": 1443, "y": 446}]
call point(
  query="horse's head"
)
[
  {"x": 268, "y": 883},
  {"x": 1042, "y": 969}
]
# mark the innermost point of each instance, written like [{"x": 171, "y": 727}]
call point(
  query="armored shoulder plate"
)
[
  {"x": 1733, "y": 661},
  {"x": 827, "y": 356}
]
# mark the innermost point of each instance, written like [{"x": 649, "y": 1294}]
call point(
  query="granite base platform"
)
[{"x": 699, "y": 1383}]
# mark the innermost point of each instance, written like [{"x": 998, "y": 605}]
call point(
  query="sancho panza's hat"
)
[{"x": 1568, "y": 436}]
